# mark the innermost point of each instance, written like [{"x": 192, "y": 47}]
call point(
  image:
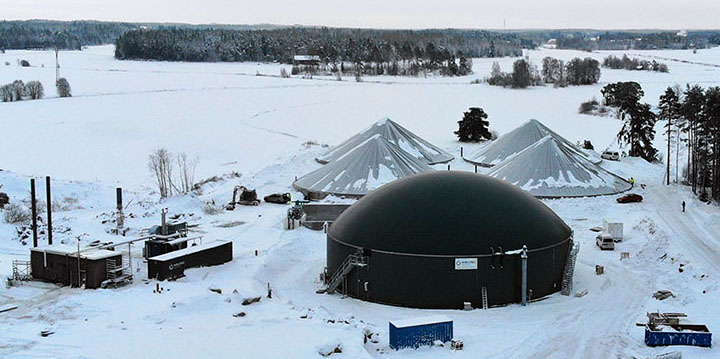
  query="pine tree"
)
[
  {"x": 474, "y": 126},
  {"x": 639, "y": 125},
  {"x": 670, "y": 112},
  {"x": 692, "y": 110}
]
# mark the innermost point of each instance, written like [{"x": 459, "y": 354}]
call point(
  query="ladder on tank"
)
[
  {"x": 356, "y": 259},
  {"x": 567, "y": 281},
  {"x": 484, "y": 298}
]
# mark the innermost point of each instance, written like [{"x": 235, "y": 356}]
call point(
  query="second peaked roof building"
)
[{"x": 395, "y": 134}]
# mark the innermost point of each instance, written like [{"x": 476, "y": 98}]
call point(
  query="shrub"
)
[
  {"x": 587, "y": 107},
  {"x": 63, "y": 87},
  {"x": 4, "y": 199},
  {"x": 15, "y": 214},
  {"x": 34, "y": 90}
]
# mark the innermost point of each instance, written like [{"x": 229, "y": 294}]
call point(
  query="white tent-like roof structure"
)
[
  {"x": 547, "y": 169},
  {"x": 395, "y": 134},
  {"x": 519, "y": 139},
  {"x": 371, "y": 164}
]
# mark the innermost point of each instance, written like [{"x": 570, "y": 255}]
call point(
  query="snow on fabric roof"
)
[
  {"x": 412, "y": 322},
  {"x": 371, "y": 164},
  {"x": 519, "y": 139},
  {"x": 549, "y": 169},
  {"x": 396, "y": 134}
]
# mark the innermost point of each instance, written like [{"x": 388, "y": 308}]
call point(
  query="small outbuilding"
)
[
  {"x": 59, "y": 264},
  {"x": 446, "y": 238}
]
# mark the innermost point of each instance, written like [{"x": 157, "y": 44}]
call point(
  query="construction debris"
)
[
  {"x": 663, "y": 294},
  {"x": 599, "y": 270}
]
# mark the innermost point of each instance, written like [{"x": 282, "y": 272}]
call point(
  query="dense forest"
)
[
  {"x": 72, "y": 35},
  {"x": 624, "y": 40},
  {"x": 330, "y": 44}
]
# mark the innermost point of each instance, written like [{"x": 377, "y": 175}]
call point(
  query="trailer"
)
[
  {"x": 417, "y": 332},
  {"x": 59, "y": 264},
  {"x": 172, "y": 265}
]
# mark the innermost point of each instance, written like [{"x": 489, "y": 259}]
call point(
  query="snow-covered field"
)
[{"x": 258, "y": 126}]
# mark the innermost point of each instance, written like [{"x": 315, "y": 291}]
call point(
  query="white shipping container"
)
[{"x": 614, "y": 228}]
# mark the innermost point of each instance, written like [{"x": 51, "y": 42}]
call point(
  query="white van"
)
[
  {"x": 611, "y": 155},
  {"x": 605, "y": 240}
]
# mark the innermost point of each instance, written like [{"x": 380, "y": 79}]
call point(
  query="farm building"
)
[
  {"x": 308, "y": 60},
  {"x": 59, "y": 264},
  {"x": 395, "y": 134},
  {"x": 519, "y": 139},
  {"x": 441, "y": 239},
  {"x": 369, "y": 165},
  {"x": 547, "y": 169}
]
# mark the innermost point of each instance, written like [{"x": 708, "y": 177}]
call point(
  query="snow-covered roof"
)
[
  {"x": 396, "y": 134},
  {"x": 371, "y": 164},
  {"x": 549, "y": 169},
  {"x": 306, "y": 58},
  {"x": 519, "y": 139},
  {"x": 412, "y": 322},
  {"x": 86, "y": 253},
  {"x": 189, "y": 250}
]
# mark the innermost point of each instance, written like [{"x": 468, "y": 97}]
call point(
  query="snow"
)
[
  {"x": 255, "y": 130},
  {"x": 413, "y": 322},
  {"x": 189, "y": 250}
]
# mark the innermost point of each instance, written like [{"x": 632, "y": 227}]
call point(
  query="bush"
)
[
  {"x": 588, "y": 107},
  {"x": 34, "y": 90},
  {"x": 63, "y": 87},
  {"x": 15, "y": 214},
  {"x": 4, "y": 199},
  {"x": 24, "y": 63}
]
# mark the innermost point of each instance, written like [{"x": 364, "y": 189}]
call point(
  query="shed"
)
[
  {"x": 172, "y": 265},
  {"x": 310, "y": 60},
  {"x": 417, "y": 332},
  {"x": 59, "y": 264}
]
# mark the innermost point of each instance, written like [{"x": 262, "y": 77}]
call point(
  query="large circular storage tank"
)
[{"x": 422, "y": 236}]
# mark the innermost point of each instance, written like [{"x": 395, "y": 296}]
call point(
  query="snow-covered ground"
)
[{"x": 258, "y": 126}]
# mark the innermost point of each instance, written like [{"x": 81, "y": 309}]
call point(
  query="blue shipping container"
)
[
  {"x": 417, "y": 332},
  {"x": 695, "y": 335}
]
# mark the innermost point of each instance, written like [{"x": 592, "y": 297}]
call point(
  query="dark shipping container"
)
[{"x": 172, "y": 265}]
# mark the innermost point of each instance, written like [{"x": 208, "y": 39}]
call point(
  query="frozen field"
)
[{"x": 236, "y": 121}]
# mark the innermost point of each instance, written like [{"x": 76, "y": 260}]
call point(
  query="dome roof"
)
[{"x": 449, "y": 213}]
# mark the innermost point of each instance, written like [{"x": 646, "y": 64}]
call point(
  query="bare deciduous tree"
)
[
  {"x": 160, "y": 163},
  {"x": 186, "y": 167}
]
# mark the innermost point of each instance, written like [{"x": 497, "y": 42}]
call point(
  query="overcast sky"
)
[{"x": 599, "y": 14}]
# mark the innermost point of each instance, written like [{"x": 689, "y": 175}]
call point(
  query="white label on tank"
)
[{"x": 465, "y": 263}]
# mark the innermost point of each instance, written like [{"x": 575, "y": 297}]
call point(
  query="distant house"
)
[{"x": 310, "y": 60}]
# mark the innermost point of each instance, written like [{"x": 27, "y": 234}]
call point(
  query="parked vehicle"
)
[
  {"x": 611, "y": 155},
  {"x": 605, "y": 241},
  {"x": 630, "y": 198}
]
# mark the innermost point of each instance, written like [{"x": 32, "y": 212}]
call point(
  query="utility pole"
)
[
  {"x": 49, "y": 209},
  {"x": 57, "y": 65}
]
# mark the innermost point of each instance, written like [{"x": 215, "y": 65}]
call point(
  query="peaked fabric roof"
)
[
  {"x": 368, "y": 166},
  {"x": 549, "y": 169},
  {"x": 396, "y": 134},
  {"x": 519, "y": 139}
]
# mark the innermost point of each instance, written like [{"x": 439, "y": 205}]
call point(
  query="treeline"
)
[
  {"x": 625, "y": 40},
  {"x": 575, "y": 72},
  {"x": 696, "y": 113},
  {"x": 626, "y": 63},
  {"x": 33, "y": 90},
  {"x": 430, "y": 61},
  {"x": 332, "y": 45},
  {"x": 693, "y": 112},
  {"x": 68, "y": 35}
]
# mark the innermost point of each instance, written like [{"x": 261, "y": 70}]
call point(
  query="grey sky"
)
[{"x": 599, "y": 14}]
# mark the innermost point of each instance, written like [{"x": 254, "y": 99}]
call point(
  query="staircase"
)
[
  {"x": 484, "y": 298},
  {"x": 567, "y": 281},
  {"x": 354, "y": 260},
  {"x": 117, "y": 273}
]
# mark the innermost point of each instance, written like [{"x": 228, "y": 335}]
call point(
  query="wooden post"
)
[
  {"x": 475, "y": 168},
  {"x": 448, "y": 167},
  {"x": 461, "y": 151},
  {"x": 33, "y": 208},
  {"x": 49, "y": 209}
]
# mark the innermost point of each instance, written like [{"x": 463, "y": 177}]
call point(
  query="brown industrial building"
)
[{"x": 59, "y": 264}]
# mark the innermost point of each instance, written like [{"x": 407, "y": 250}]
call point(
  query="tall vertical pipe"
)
[
  {"x": 33, "y": 208},
  {"x": 120, "y": 215},
  {"x": 49, "y": 208},
  {"x": 523, "y": 257}
]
